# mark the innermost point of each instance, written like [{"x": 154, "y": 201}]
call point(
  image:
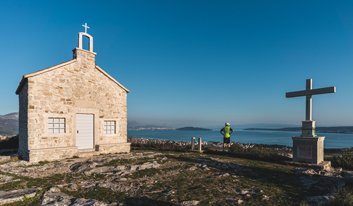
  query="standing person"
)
[{"x": 226, "y": 131}]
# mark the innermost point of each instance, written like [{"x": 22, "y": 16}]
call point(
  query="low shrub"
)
[
  {"x": 258, "y": 152},
  {"x": 344, "y": 196},
  {"x": 9, "y": 143},
  {"x": 343, "y": 159},
  {"x": 166, "y": 145}
]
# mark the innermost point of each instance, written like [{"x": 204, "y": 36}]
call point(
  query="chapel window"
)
[
  {"x": 56, "y": 125},
  {"x": 109, "y": 127}
]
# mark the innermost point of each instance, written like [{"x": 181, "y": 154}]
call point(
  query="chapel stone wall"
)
[{"x": 78, "y": 87}]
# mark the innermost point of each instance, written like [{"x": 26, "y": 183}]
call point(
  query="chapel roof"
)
[{"x": 39, "y": 72}]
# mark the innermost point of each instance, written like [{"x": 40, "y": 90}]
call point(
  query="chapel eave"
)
[
  {"x": 26, "y": 76},
  {"x": 39, "y": 72},
  {"x": 112, "y": 78}
]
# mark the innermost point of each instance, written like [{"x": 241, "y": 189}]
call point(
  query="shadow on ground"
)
[
  {"x": 145, "y": 201},
  {"x": 296, "y": 186}
]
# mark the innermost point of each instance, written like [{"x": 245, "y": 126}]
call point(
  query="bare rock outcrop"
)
[
  {"x": 7, "y": 197},
  {"x": 54, "y": 197}
]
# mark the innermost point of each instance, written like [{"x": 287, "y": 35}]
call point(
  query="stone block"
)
[
  {"x": 113, "y": 148},
  {"x": 308, "y": 128},
  {"x": 51, "y": 154},
  {"x": 308, "y": 149}
]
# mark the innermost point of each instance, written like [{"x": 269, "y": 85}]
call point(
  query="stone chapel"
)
[{"x": 72, "y": 109}]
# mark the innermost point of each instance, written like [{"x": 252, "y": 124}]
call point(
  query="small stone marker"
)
[
  {"x": 193, "y": 143},
  {"x": 200, "y": 144},
  {"x": 309, "y": 147}
]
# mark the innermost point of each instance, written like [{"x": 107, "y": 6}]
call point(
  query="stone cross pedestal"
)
[{"x": 309, "y": 147}]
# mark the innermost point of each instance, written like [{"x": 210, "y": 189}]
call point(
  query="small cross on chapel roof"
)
[
  {"x": 86, "y": 27},
  {"x": 85, "y": 34}
]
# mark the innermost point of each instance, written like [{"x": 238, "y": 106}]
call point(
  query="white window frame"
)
[
  {"x": 109, "y": 127},
  {"x": 56, "y": 125}
]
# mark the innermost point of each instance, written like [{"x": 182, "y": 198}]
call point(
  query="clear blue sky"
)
[{"x": 194, "y": 62}]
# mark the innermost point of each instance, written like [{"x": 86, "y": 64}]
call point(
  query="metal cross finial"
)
[{"x": 86, "y": 27}]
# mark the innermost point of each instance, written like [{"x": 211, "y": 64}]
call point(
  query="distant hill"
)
[
  {"x": 133, "y": 125},
  {"x": 9, "y": 124},
  {"x": 341, "y": 129},
  {"x": 193, "y": 129}
]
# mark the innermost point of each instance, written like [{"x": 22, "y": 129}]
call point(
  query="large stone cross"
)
[
  {"x": 309, "y": 92},
  {"x": 309, "y": 147},
  {"x": 86, "y": 27}
]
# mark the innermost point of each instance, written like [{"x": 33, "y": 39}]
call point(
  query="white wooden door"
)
[{"x": 84, "y": 131}]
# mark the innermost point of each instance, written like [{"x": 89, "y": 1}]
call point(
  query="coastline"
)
[
  {"x": 267, "y": 137},
  {"x": 332, "y": 130},
  {"x": 165, "y": 171}
]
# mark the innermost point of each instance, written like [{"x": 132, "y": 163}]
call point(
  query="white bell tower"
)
[{"x": 80, "y": 39}]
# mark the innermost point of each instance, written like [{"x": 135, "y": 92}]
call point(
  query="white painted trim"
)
[
  {"x": 49, "y": 69},
  {"x": 26, "y": 76},
  {"x": 95, "y": 112},
  {"x": 93, "y": 131},
  {"x": 65, "y": 64},
  {"x": 110, "y": 77},
  {"x": 59, "y": 135},
  {"x": 80, "y": 41},
  {"x": 116, "y": 128}
]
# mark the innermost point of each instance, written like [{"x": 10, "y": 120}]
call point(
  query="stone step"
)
[
  {"x": 325, "y": 165},
  {"x": 7, "y": 197},
  {"x": 87, "y": 153}
]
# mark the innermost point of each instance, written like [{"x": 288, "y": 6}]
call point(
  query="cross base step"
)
[{"x": 325, "y": 165}]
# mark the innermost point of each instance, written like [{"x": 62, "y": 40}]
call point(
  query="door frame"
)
[
  {"x": 93, "y": 112},
  {"x": 76, "y": 136}
]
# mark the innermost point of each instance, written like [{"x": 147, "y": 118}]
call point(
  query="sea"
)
[{"x": 332, "y": 140}]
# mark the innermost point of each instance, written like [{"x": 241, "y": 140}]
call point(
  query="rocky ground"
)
[{"x": 155, "y": 177}]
